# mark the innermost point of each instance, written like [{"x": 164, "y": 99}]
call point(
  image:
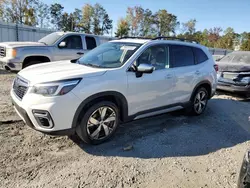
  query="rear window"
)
[
  {"x": 91, "y": 43},
  {"x": 181, "y": 56},
  {"x": 237, "y": 57},
  {"x": 199, "y": 55}
]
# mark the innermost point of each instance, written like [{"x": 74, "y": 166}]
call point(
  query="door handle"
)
[
  {"x": 197, "y": 73},
  {"x": 168, "y": 76},
  {"x": 79, "y": 53}
]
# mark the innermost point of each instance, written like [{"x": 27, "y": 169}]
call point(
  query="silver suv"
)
[{"x": 118, "y": 81}]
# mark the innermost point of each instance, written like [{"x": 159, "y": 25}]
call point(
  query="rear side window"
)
[
  {"x": 181, "y": 56},
  {"x": 91, "y": 43},
  {"x": 199, "y": 55}
]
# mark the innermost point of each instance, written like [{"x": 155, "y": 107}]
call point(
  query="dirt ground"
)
[{"x": 171, "y": 150}]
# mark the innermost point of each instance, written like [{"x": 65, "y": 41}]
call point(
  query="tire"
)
[
  {"x": 98, "y": 131},
  {"x": 198, "y": 105},
  {"x": 31, "y": 63}
]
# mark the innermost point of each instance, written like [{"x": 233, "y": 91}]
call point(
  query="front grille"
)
[
  {"x": 20, "y": 87},
  {"x": 2, "y": 52}
]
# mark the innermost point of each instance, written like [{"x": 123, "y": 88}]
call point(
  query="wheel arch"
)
[
  {"x": 113, "y": 96},
  {"x": 206, "y": 84},
  {"x": 35, "y": 58}
]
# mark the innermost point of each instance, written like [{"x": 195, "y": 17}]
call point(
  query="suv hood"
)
[
  {"x": 58, "y": 70},
  {"x": 20, "y": 44}
]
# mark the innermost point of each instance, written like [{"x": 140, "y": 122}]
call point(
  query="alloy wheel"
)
[
  {"x": 200, "y": 102},
  {"x": 101, "y": 123}
]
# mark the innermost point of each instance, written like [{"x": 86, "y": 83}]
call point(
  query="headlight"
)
[
  {"x": 245, "y": 80},
  {"x": 10, "y": 52},
  {"x": 55, "y": 88}
]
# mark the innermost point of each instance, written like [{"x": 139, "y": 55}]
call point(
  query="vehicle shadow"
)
[{"x": 224, "y": 124}]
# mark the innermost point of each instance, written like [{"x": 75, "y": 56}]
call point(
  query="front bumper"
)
[
  {"x": 12, "y": 64},
  {"x": 60, "y": 108},
  {"x": 234, "y": 88},
  {"x": 23, "y": 114}
]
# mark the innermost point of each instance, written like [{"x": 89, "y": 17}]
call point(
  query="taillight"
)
[{"x": 216, "y": 67}]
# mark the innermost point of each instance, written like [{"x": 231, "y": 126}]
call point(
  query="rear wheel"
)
[
  {"x": 199, "y": 101},
  {"x": 99, "y": 123}
]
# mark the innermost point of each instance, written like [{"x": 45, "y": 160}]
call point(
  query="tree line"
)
[
  {"x": 89, "y": 19},
  {"x": 137, "y": 22},
  {"x": 145, "y": 23}
]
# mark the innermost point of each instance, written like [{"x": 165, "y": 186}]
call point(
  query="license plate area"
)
[{"x": 228, "y": 76}]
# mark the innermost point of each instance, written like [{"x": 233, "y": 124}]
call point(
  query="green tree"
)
[
  {"x": 122, "y": 28},
  {"x": 189, "y": 26},
  {"x": 98, "y": 13},
  {"x": 101, "y": 21},
  {"x": 106, "y": 24},
  {"x": 18, "y": 11},
  {"x": 56, "y": 11},
  {"x": 87, "y": 12},
  {"x": 42, "y": 14},
  {"x": 146, "y": 24},
  {"x": 245, "y": 41},
  {"x": 228, "y": 40},
  {"x": 77, "y": 20},
  {"x": 166, "y": 23}
]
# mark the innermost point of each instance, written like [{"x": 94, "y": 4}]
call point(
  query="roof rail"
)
[
  {"x": 135, "y": 38},
  {"x": 176, "y": 38}
]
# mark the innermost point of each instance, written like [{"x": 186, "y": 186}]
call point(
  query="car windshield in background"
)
[
  {"x": 237, "y": 58},
  {"x": 51, "y": 38},
  {"x": 109, "y": 55}
]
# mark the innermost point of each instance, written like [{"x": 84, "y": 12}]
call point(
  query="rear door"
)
[
  {"x": 72, "y": 50},
  {"x": 182, "y": 62}
]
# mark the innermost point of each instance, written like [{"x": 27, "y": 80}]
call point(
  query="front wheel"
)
[
  {"x": 199, "y": 101},
  {"x": 99, "y": 123}
]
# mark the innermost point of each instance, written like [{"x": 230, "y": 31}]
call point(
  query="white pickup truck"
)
[{"x": 53, "y": 47}]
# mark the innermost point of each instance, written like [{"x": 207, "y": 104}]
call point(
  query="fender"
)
[
  {"x": 36, "y": 51},
  {"x": 120, "y": 99},
  {"x": 198, "y": 85}
]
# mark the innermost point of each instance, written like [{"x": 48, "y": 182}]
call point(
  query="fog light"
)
[
  {"x": 11, "y": 65},
  {"x": 43, "y": 119}
]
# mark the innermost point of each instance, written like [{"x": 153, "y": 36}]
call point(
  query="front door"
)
[
  {"x": 154, "y": 90},
  {"x": 72, "y": 48}
]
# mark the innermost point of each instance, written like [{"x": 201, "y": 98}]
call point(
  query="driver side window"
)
[
  {"x": 73, "y": 42},
  {"x": 156, "y": 56}
]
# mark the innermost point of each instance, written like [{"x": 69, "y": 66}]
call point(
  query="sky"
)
[{"x": 208, "y": 13}]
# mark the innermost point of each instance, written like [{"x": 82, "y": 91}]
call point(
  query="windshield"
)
[
  {"x": 109, "y": 55},
  {"x": 237, "y": 58},
  {"x": 51, "y": 38}
]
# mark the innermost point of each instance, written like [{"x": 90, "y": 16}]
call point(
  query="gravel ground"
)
[{"x": 170, "y": 150}]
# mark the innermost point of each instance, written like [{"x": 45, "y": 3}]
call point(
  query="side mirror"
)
[
  {"x": 62, "y": 44},
  {"x": 145, "y": 68}
]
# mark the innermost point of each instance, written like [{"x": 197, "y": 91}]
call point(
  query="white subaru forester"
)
[{"x": 118, "y": 81}]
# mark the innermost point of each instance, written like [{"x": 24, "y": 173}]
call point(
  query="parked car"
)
[
  {"x": 244, "y": 175},
  {"x": 53, "y": 47},
  {"x": 118, "y": 81},
  {"x": 234, "y": 72}
]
